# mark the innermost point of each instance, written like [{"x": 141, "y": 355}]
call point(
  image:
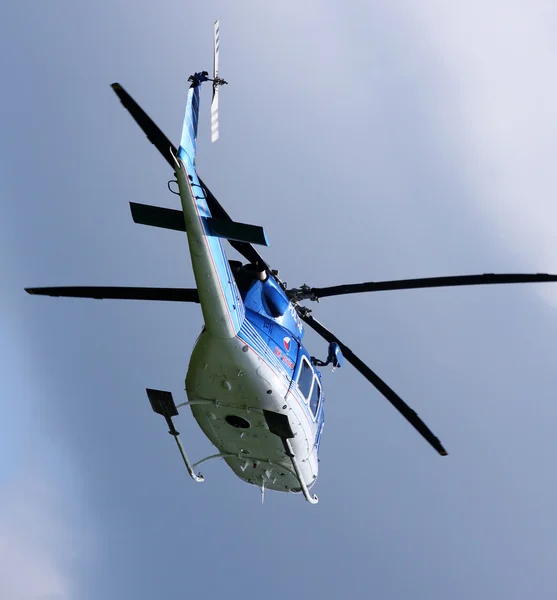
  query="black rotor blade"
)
[
  {"x": 119, "y": 293},
  {"x": 431, "y": 282},
  {"x": 167, "y": 149},
  {"x": 149, "y": 127},
  {"x": 410, "y": 415}
]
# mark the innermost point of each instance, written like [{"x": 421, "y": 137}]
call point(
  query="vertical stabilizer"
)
[{"x": 188, "y": 141}]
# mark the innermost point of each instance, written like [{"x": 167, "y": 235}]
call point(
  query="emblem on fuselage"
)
[{"x": 286, "y": 341}]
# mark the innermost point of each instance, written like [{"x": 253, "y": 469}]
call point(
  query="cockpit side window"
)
[
  {"x": 315, "y": 397},
  {"x": 305, "y": 378}
]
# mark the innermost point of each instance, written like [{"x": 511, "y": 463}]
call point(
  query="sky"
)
[{"x": 373, "y": 140}]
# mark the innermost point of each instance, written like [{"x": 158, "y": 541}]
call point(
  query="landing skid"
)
[{"x": 163, "y": 404}]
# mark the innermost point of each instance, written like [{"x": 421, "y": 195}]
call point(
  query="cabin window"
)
[
  {"x": 305, "y": 378},
  {"x": 315, "y": 397}
]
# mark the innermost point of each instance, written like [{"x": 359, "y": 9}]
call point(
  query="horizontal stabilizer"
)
[
  {"x": 162, "y": 403},
  {"x": 278, "y": 424},
  {"x": 167, "y": 218},
  {"x": 218, "y": 212},
  {"x": 238, "y": 232}
]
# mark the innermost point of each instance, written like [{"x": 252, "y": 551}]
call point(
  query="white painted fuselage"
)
[{"x": 234, "y": 379}]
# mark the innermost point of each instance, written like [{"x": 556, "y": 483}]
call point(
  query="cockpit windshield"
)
[{"x": 309, "y": 385}]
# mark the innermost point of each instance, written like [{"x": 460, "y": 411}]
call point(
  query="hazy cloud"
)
[
  {"x": 373, "y": 140},
  {"x": 34, "y": 542},
  {"x": 496, "y": 62}
]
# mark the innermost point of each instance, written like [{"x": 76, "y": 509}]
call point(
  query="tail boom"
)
[{"x": 221, "y": 303}]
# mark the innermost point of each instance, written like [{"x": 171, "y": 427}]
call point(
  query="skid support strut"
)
[
  {"x": 280, "y": 426},
  {"x": 163, "y": 404},
  {"x": 290, "y": 453}
]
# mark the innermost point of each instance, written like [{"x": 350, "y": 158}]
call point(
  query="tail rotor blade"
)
[
  {"x": 216, "y": 49},
  {"x": 215, "y": 100},
  {"x": 215, "y": 114}
]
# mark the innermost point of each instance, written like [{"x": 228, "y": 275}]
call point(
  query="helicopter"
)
[{"x": 251, "y": 385}]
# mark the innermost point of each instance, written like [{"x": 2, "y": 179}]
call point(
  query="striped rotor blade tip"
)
[
  {"x": 216, "y": 50},
  {"x": 215, "y": 115},
  {"x": 215, "y": 101}
]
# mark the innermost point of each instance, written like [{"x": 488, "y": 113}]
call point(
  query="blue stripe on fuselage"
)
[
  {"x": 249, "y": 334},
  {"x": 188, "y": 142}
]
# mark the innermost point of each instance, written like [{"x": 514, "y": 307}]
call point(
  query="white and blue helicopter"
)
[{"x": 251, "y": 385}]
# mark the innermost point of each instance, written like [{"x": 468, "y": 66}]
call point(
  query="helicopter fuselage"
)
[
  {"x": 230, "y": 382},
  {"x": 248, "y": 358}
]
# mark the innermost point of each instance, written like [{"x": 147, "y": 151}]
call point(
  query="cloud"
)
[
  {"x": 35, "y": 543},
  {"x": 498, "y": 102}
]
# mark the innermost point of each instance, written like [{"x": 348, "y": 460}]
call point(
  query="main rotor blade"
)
[
  {"x": 119, "y": 293},
  {"x": 149, "y": 127},
  {"x": 430, "y": 282},
  {"x": 410, "y": 415}
]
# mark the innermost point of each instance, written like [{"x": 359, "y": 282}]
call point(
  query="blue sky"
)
[{"x": 373, "y": 140}]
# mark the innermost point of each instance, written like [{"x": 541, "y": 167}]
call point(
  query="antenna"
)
[{"x": 216, "y": 83}]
